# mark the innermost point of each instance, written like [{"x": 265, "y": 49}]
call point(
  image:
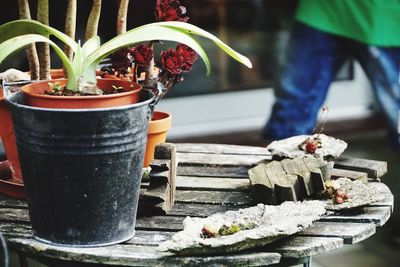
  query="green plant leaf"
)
[
  {"x": 26, "y": 26},
  {"x": 9, "y": 47},
  {"x": 77, "y": 61},
  {"x": 91, "y": 45},
  {"x": 149, "y": 32},
  {"x": 192, "y": 29}
]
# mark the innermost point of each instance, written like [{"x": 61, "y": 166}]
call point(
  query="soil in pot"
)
[
  {"x": 34, "y": 95},
  {"x": 159, "y": 125}
]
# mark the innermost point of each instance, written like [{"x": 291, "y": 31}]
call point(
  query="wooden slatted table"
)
[{"x": 212, "y": 178}]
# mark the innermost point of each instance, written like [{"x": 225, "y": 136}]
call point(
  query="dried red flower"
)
[
  {"x": 120, "y": 59},
  {"x": 142, "y": 55},
  {"x": 171, "y": 61},
  {"x": 170, "y": 10},
  {"x": 311, "y": 146},
  {"x": 179, "y": 60},
  {"x": 189, "y": 56}
]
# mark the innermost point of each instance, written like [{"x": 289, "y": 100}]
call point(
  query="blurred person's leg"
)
[
  {"x": 312, "y": 60},
  {"x": 382, "y": 66}
]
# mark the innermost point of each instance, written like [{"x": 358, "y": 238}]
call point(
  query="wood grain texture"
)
[
  {"x": 354, "y": 175},
  {"x": 376, "y": 215},
  {"x": 351, "y": 233},
  {"x": 218, "y": 159},
  {"x": 213, "y": 171},
  {"x": 222, "y": 149},
  {"x": 302, "y": 246},
  {"x": 373, "y": 168},
  {"x": 203, "y": 188}
]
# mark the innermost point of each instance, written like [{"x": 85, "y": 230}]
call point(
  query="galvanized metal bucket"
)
[{"x": 82, "y": 170}]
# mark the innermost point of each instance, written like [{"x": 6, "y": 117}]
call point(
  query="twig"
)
[
  {"x": 25, "y": 13},
  {"x": 93, "y": 21},
  {"x": 70, "y": 25},
  {"x": 43, "y": 48},
  {"x": 122, "y": 16}
]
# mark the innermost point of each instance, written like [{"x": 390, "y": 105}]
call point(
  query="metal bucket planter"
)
[{"x": 82, "y": 170}]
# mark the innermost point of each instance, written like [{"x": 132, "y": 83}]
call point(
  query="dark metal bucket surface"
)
[{"x": 82, "y": 170}]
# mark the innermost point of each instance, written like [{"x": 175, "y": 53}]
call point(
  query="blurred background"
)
[
  {"x": 234, "y": 103},
  {"x": 237, "y": 98}
]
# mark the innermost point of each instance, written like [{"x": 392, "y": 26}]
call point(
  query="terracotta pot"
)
[
  {"x": 34, "y": 95},
  {"x": 159, "y": 125},
  {"x": 10, "y": 170},
  {"x": 57, "y": 73}
]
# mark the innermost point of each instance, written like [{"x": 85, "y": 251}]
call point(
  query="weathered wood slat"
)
[
  {"x": 354, "y": 175},
  {"x": 222, "y": 149},
  {"x": 149, "y": 238},
  {"x": 10, "y": 202},
  {"x": 213, "y": 171},
  {"x": 218, "y": 159},
  {"x": 228, "y": 196},
  {"x": 14, "y": 215},
  {"x": 350, "y": 232},
  {"x": 14, "y": 229},
  {"x": 200, "y": 210},
  {"x": 240, "y": 171},
  {"x": 376, "y": 215},
  {"x": 302, "y": 246},
  {"x": 134, "y": 255},
  {"x": 201, "y": 183},
  {"x": 160, "y": 223},
  {"x": 214, "y": 197},
  {"x": 373, "y": 168}
]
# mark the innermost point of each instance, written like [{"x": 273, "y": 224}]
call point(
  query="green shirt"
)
[{"x": 375, "y": 22}]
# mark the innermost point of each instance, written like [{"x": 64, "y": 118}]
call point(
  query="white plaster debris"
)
[
  {"x": 289, "y": 147},
  {"x": 14, "y": 75},
  {"x": 361, "y": 194},
  {"x": 272, "y": 223}
]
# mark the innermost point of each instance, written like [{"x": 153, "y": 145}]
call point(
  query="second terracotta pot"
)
[
  {"x": 159, "y": 125},
  {"x": 10, "y": 171}
]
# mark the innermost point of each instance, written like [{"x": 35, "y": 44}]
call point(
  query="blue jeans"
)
[{"x": 312, "y": 60}]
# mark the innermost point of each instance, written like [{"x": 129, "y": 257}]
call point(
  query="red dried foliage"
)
[
  {"x": 142, "y": 55},
  {"x": 170, "y": 10},
  {"x": 179, "y": 60},
  {"x": 120, "y": 59}
]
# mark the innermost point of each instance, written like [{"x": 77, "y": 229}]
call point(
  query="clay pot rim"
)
[
  {"x": 137, "y": 87},
  {"x": 78, "y": 110},
  {"x": 160, "y": 125}
]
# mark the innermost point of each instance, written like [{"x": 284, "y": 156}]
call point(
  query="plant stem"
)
[
  {"x": 122, "y": 16},
  {"x": 70, "y": 25},
  {"x": 148, "y": 79},
  {"x": 25, "y": 13},
  {"x": 43, "y": 49},
  {"x": 93, "y": 21}
]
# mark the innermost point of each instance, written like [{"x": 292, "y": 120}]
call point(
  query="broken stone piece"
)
[
  {"x": 289, "y": 147},
  {"x": 360, "y": 194},
  {"x": 14, "y": 75}
]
